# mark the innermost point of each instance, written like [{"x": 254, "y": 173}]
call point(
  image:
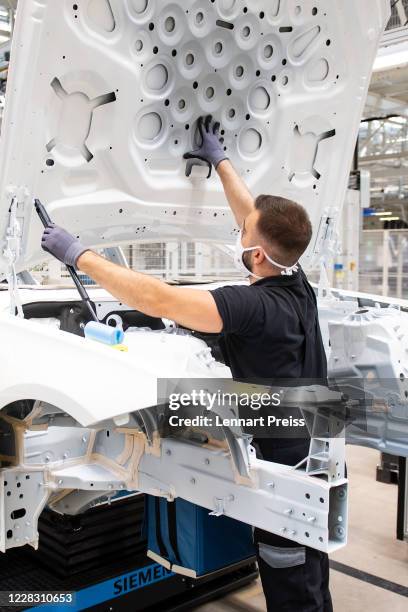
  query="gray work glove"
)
[
  {"x": 63, "y": 245},
  {"x": 211, "y": 149}
]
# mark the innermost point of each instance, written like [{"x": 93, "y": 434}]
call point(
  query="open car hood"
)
[{"x": 103, "y": 98}]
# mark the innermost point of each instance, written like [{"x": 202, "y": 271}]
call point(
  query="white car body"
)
[{"x": 87, "y": 130}]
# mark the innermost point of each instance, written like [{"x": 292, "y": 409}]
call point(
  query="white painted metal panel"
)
[{"x": 103, "y": 97}]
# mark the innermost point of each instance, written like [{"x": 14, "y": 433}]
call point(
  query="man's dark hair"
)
[{"x": 285, "y": 225}]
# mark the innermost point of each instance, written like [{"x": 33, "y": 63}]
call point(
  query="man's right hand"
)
[{"x": 211, "y": 149}]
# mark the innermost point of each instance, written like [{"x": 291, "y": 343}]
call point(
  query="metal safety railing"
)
[
  {"x": 384, "y": 263},
  {"x": 166, "y": 260}
]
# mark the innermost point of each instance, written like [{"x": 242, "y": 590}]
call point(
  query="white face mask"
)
[{"x": 239, "y": 260}]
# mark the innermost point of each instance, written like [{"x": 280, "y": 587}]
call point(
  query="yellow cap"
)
[{"x": 121, "y": 347}]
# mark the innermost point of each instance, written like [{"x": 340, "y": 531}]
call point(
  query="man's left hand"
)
[
  {"x": 63, "y": 245},
  {"x": 211, "y": 149}
]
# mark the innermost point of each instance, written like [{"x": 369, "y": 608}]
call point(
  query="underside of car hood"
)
[{"x": 103, "y": 98}]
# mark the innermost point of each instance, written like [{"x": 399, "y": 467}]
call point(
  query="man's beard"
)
[{"x": 247, "y": 259}]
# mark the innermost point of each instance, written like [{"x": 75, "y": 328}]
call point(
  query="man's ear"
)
[{"x": 259, "y": 256}]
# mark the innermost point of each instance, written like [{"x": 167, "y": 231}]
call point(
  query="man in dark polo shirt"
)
[{"x": 269, "y": 330}]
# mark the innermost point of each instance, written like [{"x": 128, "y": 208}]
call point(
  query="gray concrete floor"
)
[{"x": 372, "y": 548}]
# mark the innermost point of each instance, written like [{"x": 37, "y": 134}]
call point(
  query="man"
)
[{"x": 269, "y": 330}]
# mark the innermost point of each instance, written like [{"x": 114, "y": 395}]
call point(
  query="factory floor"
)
[{"x": 372, "y": 549}]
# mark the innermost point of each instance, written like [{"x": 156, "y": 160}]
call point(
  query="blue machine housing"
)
[{"x": 188, "y": 540}]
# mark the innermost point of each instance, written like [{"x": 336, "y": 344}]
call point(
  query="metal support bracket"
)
[{"x": 12, "y": 251}]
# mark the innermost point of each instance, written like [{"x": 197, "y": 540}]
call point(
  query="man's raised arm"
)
[{"x": 238, "y": 195}]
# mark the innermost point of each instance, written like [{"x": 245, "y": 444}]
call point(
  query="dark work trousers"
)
[{"x": 294, "y": 578}]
